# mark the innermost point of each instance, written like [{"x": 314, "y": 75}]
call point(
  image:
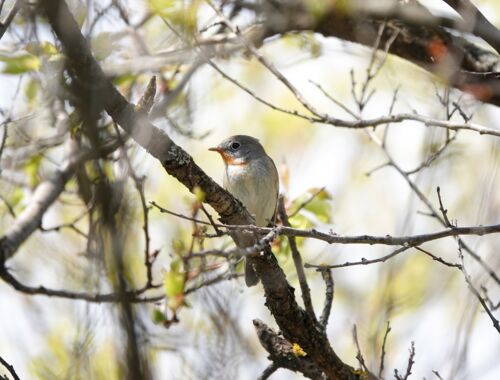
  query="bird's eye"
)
[{"x": 235, "y": 145}]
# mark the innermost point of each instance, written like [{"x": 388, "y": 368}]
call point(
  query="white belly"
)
[{"x": 257, "y": 192}]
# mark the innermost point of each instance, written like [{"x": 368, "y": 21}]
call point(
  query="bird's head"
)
[{"x": 239, "y": 149}]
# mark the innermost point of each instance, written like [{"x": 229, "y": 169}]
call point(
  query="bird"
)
[{"x": 251, "y": 176}]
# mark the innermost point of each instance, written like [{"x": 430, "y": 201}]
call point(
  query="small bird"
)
[{"x": 251, "y": 176}]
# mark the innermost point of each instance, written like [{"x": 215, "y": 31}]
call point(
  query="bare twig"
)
[
  {"x": 329, "y": 293},
  {"x": 490, "y": 303},
  {"x": 297, "y": 260},
  {"x": 363, "y": 261},
  {"x": 477, "y": 22},
  {"x": 213, "y": 281},
  {"x": 444, "y": 212},
  {"x": 496, "y": 323},
  {"x": 10, "y": 209},
  {"x": 306, "y": 202},
  {"x": 9, "y": 368},
  {"x": 411, "y": 361},
  {"x": 132, "y": 295},
  {"x": 211, "y": 220},
  {"x": 332, "y": 238},
  {"x": 359, "y": 355},
  {"x": 437, "y": 375},
  {"x": 433, "y": 156},
  {"x": 383, "y": 352},
  {"x": 434, "y": 212},
  {"x": 439, "y": 259}
]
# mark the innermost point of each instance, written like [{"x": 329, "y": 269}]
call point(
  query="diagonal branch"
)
[
  {"x": 45, "y": 194},
  {"x": 423, "y": 40},
  {"x": 9, "y": 368},
  {"x": 10, "y": 17},
  {"x": 294, "y": 322},
  {"x": 282, "y": 355},
  {"x": 480, "y": 25}
]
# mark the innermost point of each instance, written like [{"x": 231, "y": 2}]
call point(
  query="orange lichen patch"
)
[
  {"x": 437, "y": 49},
  {"x": 480, "y": 91}
]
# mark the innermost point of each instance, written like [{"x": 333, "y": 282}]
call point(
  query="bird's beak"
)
[{"x": 215, "y": 149}]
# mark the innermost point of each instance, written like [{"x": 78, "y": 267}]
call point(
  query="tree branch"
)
[
  {"x": 296, "y": 325},
  {"x": 10, "y": 17},
  {"x": 131, "y": 295},
  {"x": 422, "y": 40},
  {"x": 479, "y": 25},
  {"x": 297, "y": 260},
  {"x": 45, "y": 194},
  {"x": 9, "y": 368},
  {"x": 282, "y": 355}
]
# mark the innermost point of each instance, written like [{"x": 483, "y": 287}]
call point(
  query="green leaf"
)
[
  {"x": 199, "y": 194},
  {"x": 16, "y": 197},
  {"x": 158, "y": 317},
  {"x": 173, "y": 283},
  {"x": 301, "y": 221},
  {"x": 174, "y": 279},
  {"x": 320, "y": 209},
  {"x": 315, "y": 201},
  {"x": 19, "y": 64},
  {"x": 161, "y": 7},
  {"x": 41, "y": 48},
  {"x": 31, "y": 169}
]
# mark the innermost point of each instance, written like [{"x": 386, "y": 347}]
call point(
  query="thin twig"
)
[
  {"x": 132, "y": 295},
  {"x": 383, "y": 352},
  {"x": 439, "y": 259},
  {"x": 359, "y": 355},
  {"x": 214, "y": 225},
  {"x": 496, "y": 323},
  {"x": 297, "y": 260},
  {"x": 213, "y": 281},
  {"x": 270, "y": 369},
  {"x": 363, "y": 261},
  {"x": 332, "y": 238},
  {"x": 444, "y": 212},
  {"x": 437, "y": 374},
  {"x": 411, "y": 361},
  {"x": 329, "y": 293},
  {"x": 306, "y": 202},
  {"x": 9, "y": 368},
  {"x": 434, "y": 212}
]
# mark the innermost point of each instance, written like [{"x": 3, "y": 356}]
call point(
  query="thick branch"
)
[
  {"x": 10, "y": 17},
  {"x": 480, "y": 25},
  {"x": 421, "y": 40},
  {"x": 176, "y": 161},
  {"x": 293, "y": 321},
  {"x": 281, "y": 352},
  {"x": 45, "y": 194}
]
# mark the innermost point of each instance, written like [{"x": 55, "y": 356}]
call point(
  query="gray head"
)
[{"x": 239, "y": 149}]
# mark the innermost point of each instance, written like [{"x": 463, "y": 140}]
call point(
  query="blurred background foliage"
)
[{"x": 48, "y": 338}]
